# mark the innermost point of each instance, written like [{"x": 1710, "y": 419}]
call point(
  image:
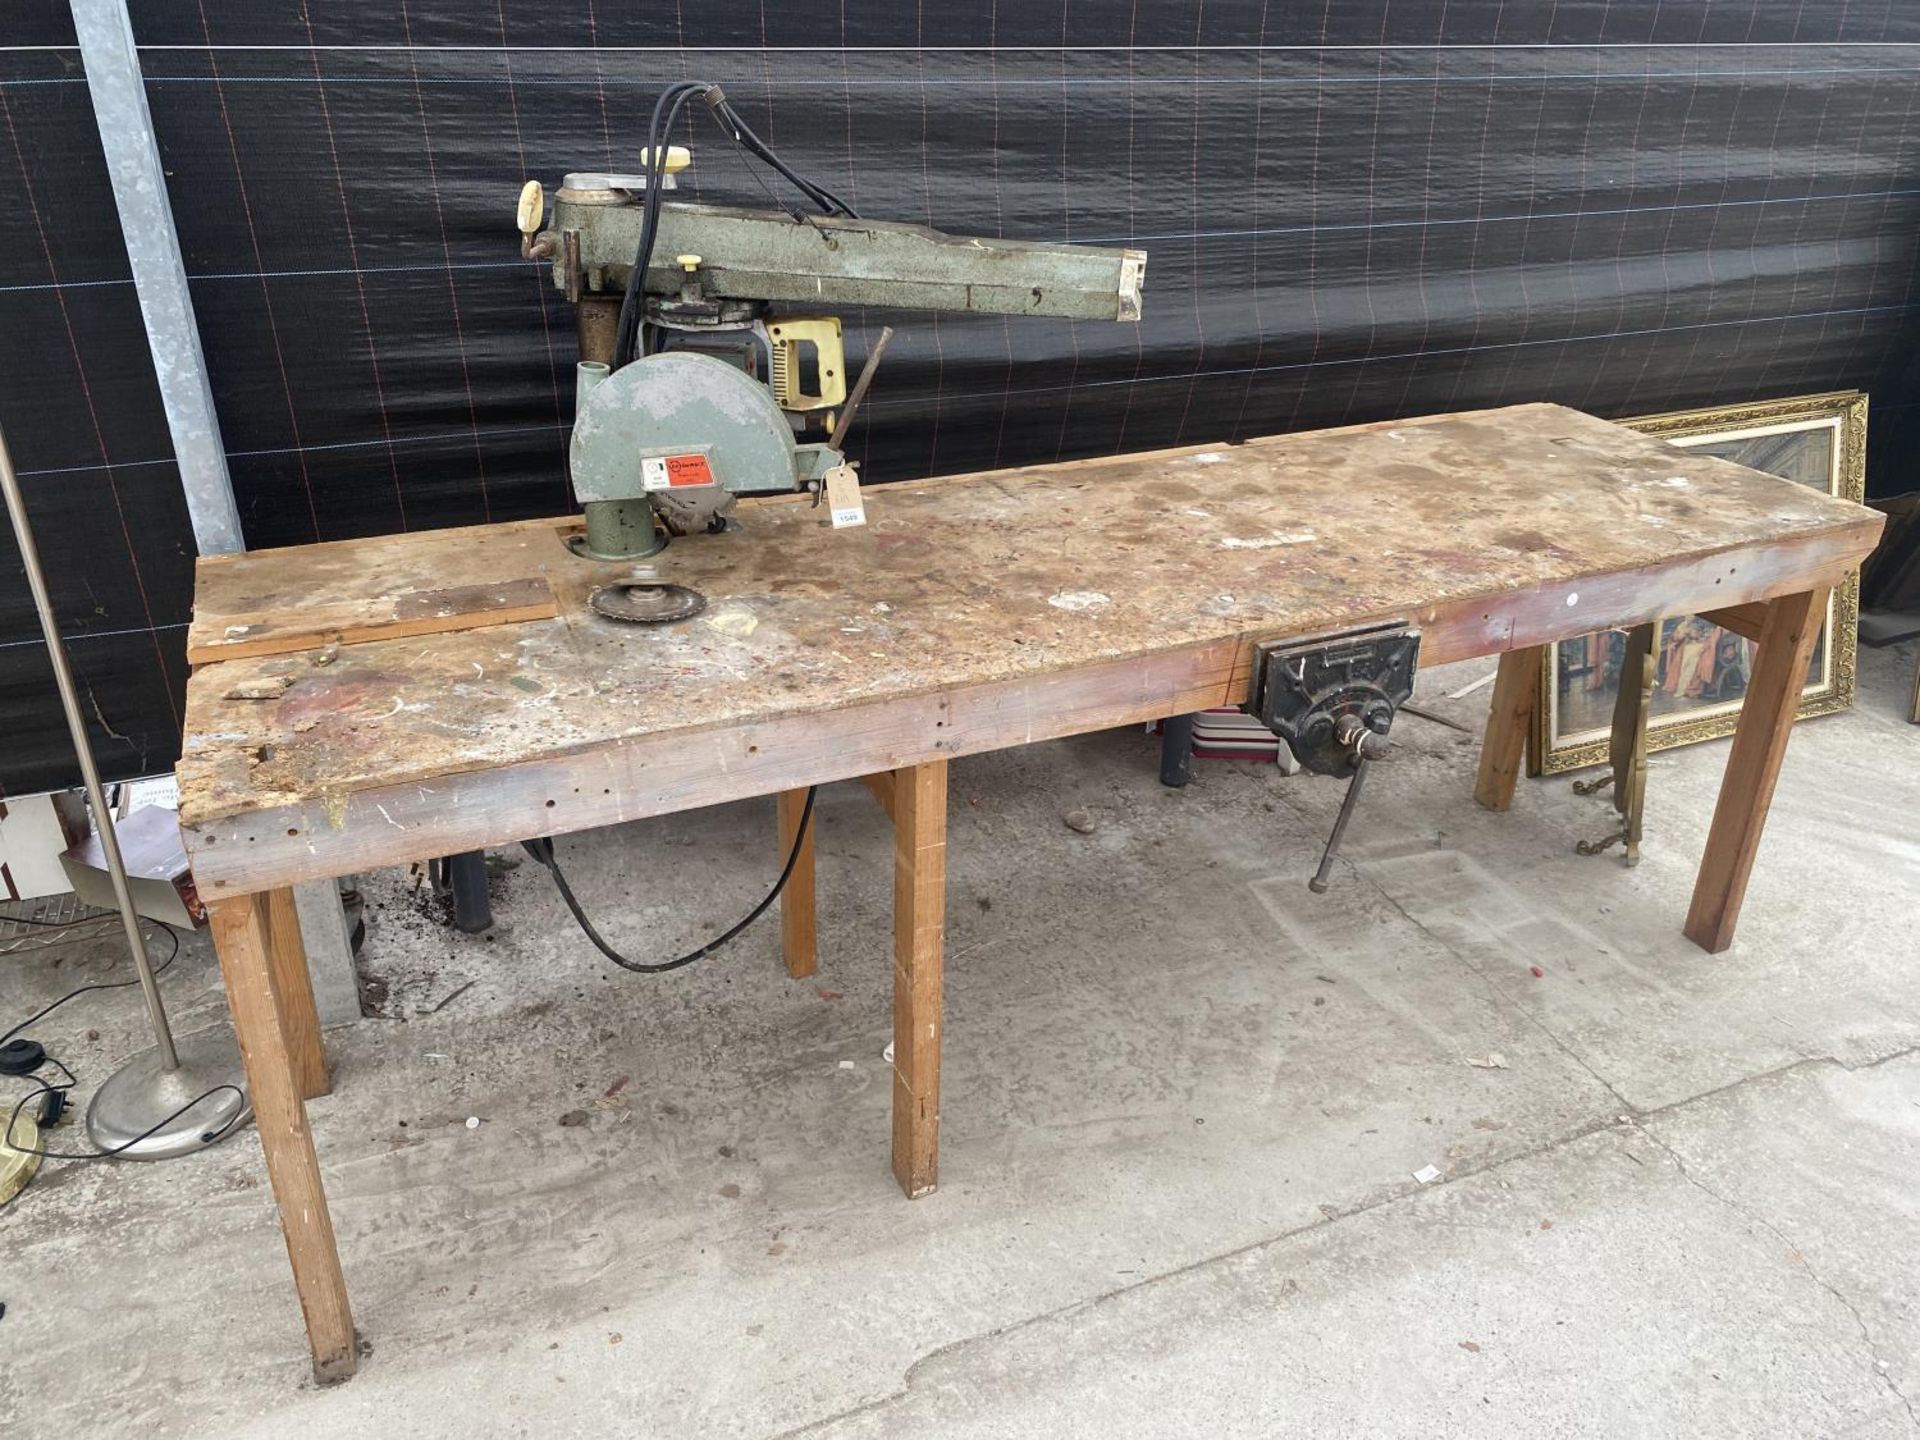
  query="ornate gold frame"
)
[{"x": 1843, "y": 613}]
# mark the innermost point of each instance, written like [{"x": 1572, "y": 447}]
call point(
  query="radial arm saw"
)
[
  {"x": 711, "y": 363},
  {"x": 711, "y": 367}
]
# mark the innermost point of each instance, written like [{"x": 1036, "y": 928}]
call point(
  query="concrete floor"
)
[{"x": 1184, "y": 1103}]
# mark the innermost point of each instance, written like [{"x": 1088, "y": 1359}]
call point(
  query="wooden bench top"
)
[{"x": 1062, "y": 596}]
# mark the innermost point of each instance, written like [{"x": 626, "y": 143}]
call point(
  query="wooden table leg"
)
[
  {"x": 1759, "y": 744},
  {"x": 299, "y": 1019},
  {"x": 1515, "y": 690},
  {"x": 798, "y": 935},
  {"x": 241, "y": 937},
  {"x": 919, "y": 809}
]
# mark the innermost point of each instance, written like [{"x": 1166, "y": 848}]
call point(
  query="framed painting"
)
[{"x": 1701, "y": 670}]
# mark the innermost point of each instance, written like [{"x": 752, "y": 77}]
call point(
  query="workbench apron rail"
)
[{"x": 658, "y": 774}]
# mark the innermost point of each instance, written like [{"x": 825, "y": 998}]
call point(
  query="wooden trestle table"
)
[{"x": 371, "y": 702}]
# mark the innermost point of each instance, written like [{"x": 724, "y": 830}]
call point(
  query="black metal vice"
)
[{"x": 1332, "y": 700}]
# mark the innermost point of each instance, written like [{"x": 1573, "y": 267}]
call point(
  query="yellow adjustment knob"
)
[
  {"x": 532, "y": 209},
  {"x": 688, "y": 263},
  {"x": 678, "y": 158}
]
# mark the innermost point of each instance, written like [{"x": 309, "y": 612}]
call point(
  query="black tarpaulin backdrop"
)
[{"x": 1353, "y": 212}]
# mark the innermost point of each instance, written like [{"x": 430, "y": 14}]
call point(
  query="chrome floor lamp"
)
[{"x": 182, "y": 1094}]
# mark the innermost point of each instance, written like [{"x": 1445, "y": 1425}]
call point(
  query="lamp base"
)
[{"x": 141, "y": 1095}]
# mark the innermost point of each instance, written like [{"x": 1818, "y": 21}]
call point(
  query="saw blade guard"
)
[
  {"x": 719, "y": 423},
  {"x": 686, "y": 434}
]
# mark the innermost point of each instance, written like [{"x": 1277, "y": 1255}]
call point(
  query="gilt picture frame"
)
[{"x": 1818, "y": 440}]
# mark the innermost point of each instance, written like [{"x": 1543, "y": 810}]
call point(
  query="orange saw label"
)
[
  {"x": 659, "y": 473},
  {"x": 688, "y": 470}
]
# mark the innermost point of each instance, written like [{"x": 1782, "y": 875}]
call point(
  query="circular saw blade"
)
[{"x": 647, "y": 604}]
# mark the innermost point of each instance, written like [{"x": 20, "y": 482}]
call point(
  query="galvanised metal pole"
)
[
  {"x": 140, "y": 195},
  {"x": 159, "y": 275}
]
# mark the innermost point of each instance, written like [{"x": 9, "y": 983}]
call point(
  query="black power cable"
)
[
  {"x": 43, "y": 1087},
  {"x": 629, "y": 338},
  {"x": 742, "y": 134},
  {"x": 47, "y": 1087},
  {"x": 158, "y": 970},
  {"x": 632, "y": 308},
  {"x": 630, "y": 332},
  {"x": 542, "y": 851}
]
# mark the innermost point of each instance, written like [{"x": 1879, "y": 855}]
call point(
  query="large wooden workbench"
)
[{"x": 374, "y": 701}]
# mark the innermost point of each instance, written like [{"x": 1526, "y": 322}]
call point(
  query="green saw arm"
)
[{"x": 828, "y": 262}]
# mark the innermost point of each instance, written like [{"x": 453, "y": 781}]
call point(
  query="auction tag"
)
[
  {"x": 666, "y": 471},
  {"x": 843, "y": 497}
]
